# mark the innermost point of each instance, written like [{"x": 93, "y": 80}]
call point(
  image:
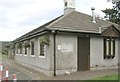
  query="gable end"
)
[{"x": 111, "y": 31}]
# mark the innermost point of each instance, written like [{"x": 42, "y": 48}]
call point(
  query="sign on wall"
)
[
  {"x": 66, "y": 47},
  {"x": 59, "y": 47}
]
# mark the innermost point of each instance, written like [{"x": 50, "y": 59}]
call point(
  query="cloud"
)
[
  {"x": 20, "y": 16},
  {"x": 85, "y": 6}
]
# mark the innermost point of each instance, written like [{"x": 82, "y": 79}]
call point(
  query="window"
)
[
  {"x": 109, "y": 48},
  {"x": 42, "y": 49},
  {"x": 26, "y": 47},
  {"x": 25, "y": 50},
  {"x": 16, "y": 51},
  {"x": 32, "y": 47},
  {"x": 66, "y": 4},
  {"x": 21, "y": 50},
  {"x": 43, "y": 42}
]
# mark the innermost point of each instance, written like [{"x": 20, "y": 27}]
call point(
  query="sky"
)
[{"x": 18, "y": 17}]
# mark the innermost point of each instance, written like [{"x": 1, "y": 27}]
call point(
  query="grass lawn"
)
[{"x": 107, "y": 77}]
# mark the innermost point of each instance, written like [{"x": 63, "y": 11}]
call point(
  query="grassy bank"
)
[{"x": 107, "y": 77}]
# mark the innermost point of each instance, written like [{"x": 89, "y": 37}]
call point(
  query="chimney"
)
[
  {"x": 100, "y": 29},
  {"x": 93, "y": 15},
  {"x": 69, "y": 6}
]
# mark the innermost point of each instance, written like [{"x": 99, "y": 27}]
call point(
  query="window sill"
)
[
  {"x": 109, "y": 57},
  {"x": 25, "y": 55},
  {"x": 41, "y": 56},
  {"x": 32, "y": 56},
  {"x": 17, "y": 54},
  {"x": 20, "y": 54}
]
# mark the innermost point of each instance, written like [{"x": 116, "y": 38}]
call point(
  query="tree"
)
[{"x": 113, "y": 14}]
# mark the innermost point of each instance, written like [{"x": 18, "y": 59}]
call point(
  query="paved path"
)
[
  {"x": 29, "y": 72},
  {"x": 85, "y": 75},
  {"x": 13, "y": 70}
]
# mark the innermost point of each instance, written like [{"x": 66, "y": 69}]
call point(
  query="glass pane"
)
[
  {"x": 20, "y": 50},
  {"x": 42, "y": 50},
  {"x": 112, "y": 53},
  {"x": 25, "y": 50},
  {"x": 32, "y": 48},
  {"x": 107, "y": 47}
]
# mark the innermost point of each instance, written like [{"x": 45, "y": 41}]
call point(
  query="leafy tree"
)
[{"x": 111, "y": 15}]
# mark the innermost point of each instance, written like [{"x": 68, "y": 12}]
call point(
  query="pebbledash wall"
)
[
  {"x": 35, "y": 62},
  {"x": 97, "y": 60},
  {"x": 66, "y": 60},
  {"x": 119, "y": 51}
]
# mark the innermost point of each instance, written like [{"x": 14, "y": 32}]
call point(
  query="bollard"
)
[
  {"x": 1, "y": 72},
  {"x": 7, "y": 74},
  {"x": 14, "y": 78}
]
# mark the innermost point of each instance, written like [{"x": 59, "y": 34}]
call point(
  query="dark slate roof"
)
[
  {"x": 79, "y": 22},
  {"x": 74, "y": 21}
]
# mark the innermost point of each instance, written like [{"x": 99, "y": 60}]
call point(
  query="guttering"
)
[
  {"x": 91, "y": 33},
  {"x": 75, "y": 30},
  {"x": 54, "y": 43},
  {"x": 30, "y": 36}
]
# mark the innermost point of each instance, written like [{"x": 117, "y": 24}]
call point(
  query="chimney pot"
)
[
  {"x": 92, "y": 8},
  {"x": 93, "y": 15},
  {"x": 69, "y": 6}
]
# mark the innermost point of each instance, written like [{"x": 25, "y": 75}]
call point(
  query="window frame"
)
[
  {"x": 66, "y": 4},
  {"x": 39, "y": 51},
  {"x": 16, "y": 51},
  {"x": 21, "y": 51},
  {"x": 25, "y": 48},
  {"x": 109, "y": 40},
  {"x": 32, "y": 49},
  {"x": 25, "y": 51}
]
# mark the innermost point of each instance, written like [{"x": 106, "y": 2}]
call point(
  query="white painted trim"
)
[
  {"x": 38, "y": 46},
  {"x": 20, "y": 54},
  {"x": 32, "y": 55},
  {"x": 41, "y": 56},
  {"x": 25, "y": 55}
]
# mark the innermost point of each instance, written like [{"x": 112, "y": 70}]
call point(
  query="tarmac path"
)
[
  {"x": 13, "y": 70},
  {"x": 29, "y": 75}
]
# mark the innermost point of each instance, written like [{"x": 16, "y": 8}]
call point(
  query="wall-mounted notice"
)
[
  {"x": 59, "y": 47},
  {"x": 66, "y": 47}
]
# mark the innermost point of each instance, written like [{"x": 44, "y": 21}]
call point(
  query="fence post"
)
[
  {"x": 1, "y": 72},
  {"x": 7, "y": 74},
  {"x": 14, "y": 78}
]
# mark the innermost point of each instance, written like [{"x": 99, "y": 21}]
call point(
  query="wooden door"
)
[{"x": 83, "y": 53}]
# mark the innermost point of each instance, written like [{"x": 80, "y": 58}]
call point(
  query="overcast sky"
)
[{"x": 18, "y": 17}]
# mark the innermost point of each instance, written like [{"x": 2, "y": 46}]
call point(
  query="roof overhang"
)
[
  {"x": 30, "y": 36},
  {"x": 74, "y": 30},
  {"x": 111, "y": 31}
]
